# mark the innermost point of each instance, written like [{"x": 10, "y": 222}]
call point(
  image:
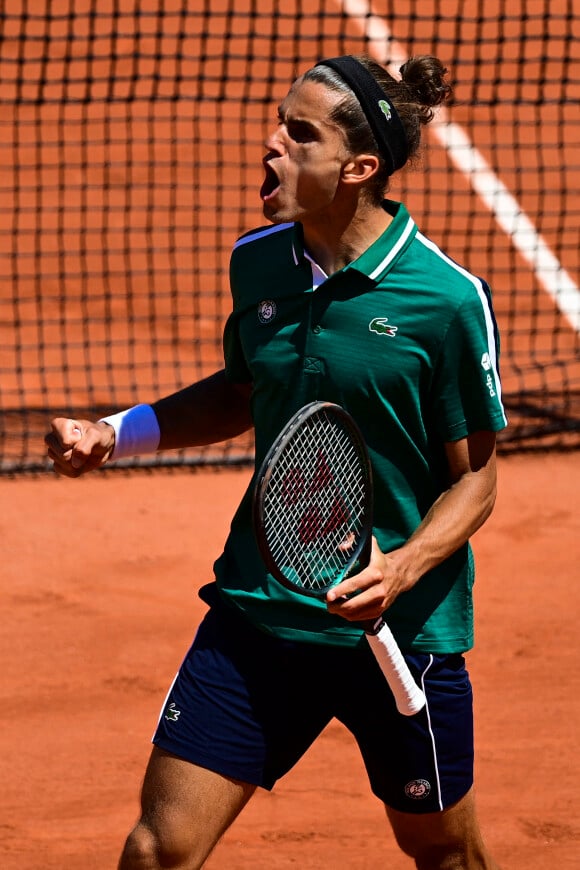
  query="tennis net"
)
[{"x": 131, "y": 134}]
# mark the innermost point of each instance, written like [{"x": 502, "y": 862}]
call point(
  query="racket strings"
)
[{"x": 314, "y": 509}]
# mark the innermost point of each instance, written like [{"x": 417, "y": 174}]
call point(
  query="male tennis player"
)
[{"x": 340, "y": 298}]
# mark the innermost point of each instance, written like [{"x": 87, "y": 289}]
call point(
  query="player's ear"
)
[{"x": 360, "y": 168}]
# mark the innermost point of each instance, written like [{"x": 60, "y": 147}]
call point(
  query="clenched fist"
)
[{"x": 78, "y": 446}]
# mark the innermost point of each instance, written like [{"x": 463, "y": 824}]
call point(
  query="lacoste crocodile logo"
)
[
  {"x": 385, "y": 109},
  {"x": 172, "y": 713},
  {"x": 381, "y": 327}
]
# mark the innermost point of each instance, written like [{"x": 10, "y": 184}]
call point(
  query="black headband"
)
[{"x": 379, "y": 111}]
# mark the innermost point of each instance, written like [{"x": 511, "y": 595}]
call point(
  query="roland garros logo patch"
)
[
  {"x": 267, "y": 311},
  {"x": 418, "y": 789}
]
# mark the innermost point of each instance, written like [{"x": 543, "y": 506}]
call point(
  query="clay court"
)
[
  {"x": 99, "y": 590},
  {"x": 120, "y": 201}
]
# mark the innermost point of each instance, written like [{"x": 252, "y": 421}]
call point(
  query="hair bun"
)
[{"x": 424, "y": 78}]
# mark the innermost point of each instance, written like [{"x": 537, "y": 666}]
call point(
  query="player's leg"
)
[
  {"x": 446, "y": 840},
  {"x": 185, "y": 809},
  {"x": 421, "y": 766},
  {"x": 242, "y": 710}
]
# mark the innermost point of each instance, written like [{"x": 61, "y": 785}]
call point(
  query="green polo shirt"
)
[{"x": 405, "y": 340}]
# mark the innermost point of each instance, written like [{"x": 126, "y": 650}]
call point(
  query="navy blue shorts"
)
[{"x": 248, "y": 706}]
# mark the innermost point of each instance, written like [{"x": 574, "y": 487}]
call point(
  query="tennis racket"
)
[{"x": 313, "y": 515}]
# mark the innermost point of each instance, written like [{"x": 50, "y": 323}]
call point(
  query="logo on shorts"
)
[
  {"x": 171, "y": 713},
  {"x": 267, "y": 311},
  {"x": 418, "y": 789}
]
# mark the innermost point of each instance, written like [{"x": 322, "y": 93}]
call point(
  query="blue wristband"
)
[{"x": 136, "y": 431}]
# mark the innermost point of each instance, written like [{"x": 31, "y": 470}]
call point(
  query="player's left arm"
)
[
  {"x": 459, "y": 511},
  {"x": 453, "y": 518}
]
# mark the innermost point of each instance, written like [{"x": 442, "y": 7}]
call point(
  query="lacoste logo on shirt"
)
[{"x": 381, "y": 327}]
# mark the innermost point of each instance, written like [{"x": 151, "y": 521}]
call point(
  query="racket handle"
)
[{"x": 408, "y": 696}]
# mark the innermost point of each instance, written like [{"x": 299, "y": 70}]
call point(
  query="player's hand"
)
[
  {"x": 366, "y": 595},
  {"x": 78, "y": 446}
]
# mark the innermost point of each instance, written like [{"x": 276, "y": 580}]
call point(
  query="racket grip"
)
[{"x": 408, "y": 696}]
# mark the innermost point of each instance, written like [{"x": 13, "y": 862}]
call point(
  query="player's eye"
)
[{"x": 300, "y": 131}]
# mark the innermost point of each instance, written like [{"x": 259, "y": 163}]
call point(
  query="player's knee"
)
[
  {"x": 448, "y": 856},
  {"x": 430, "y": 853},
  {"x": 140, "y": 850},
  {"x": 443, "y": 858},
  {"x": 147, "y": 849}
]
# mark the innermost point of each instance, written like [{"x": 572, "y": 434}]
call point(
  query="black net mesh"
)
[{"x": 131, "y": 135}]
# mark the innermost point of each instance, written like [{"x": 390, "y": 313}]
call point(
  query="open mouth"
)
[{"x": 271, "y": 183}]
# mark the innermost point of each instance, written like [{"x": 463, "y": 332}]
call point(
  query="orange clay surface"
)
[{"x": 98, "y": 583}]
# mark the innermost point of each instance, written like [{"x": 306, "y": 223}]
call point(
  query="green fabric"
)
[{"x": 405, "y": 340}]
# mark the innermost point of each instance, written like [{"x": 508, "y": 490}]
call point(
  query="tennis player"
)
[{"x": 340, "y": 297}]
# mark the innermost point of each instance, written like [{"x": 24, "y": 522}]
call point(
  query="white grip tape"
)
[
  {"x": 408, "y": 696},
  {"x": 136, "y": 431}
]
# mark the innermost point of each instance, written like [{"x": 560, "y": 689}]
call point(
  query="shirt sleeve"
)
[
  {"x": 466, "y": 390},
  {"x": 235, "y": 362}
]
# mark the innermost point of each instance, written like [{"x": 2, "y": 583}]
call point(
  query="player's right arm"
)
[{"x": 211, "y": 410}]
